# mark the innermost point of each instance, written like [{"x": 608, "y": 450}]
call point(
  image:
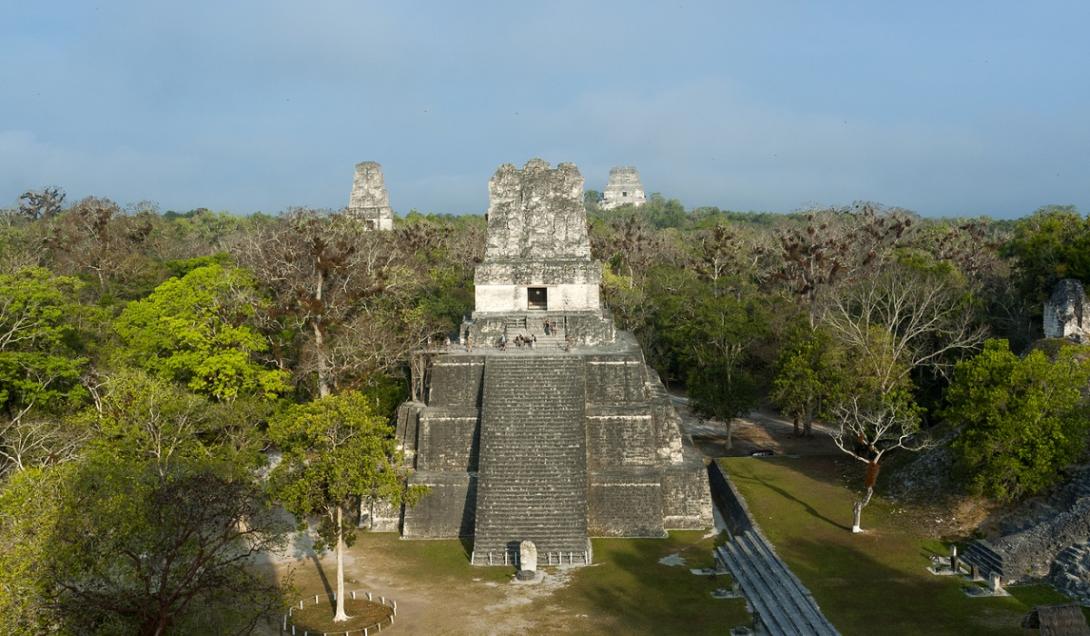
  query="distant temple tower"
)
[
  {"x": 1067, "y": 312},
  {"x": 624, "y": 188},
  {"x": 369, "y": 200},
  {"x": 543, "y": 423}
]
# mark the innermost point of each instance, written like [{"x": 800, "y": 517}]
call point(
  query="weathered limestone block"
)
[
  {"x": 626, "y": 501},
  {"x": 369, "y": 200},
  {"x": 537, "y": 213},
  {"x": 624, "y": 188},
  {"x": 528, "y": 556},
  {"x": 447, "y": 509},
  {"x": 1067, "y": 312},
  {"x": 537, "y": 243}
]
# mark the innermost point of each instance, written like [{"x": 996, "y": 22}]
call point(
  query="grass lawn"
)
[
  {"x": 641, "y": 595},
  {"x": 876, "y": 582},
  {"x": 625, "y": 591},
  {"x": 319, "y": 617}
]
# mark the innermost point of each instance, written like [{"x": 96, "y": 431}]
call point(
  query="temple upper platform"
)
[{"x": 538, "y": 253}]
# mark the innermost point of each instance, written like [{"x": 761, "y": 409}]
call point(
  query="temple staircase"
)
[{"x": 532, "y": 480}]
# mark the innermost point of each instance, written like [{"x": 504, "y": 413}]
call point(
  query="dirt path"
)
[{"x": 762, "y": 429}]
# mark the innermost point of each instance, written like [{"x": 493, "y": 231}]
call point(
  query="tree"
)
[
  {"x": 197, "y": 330},
  {"x": 1023, "y": 420},
  {"x": 97, "y": 240},
  {"x": 912, "y": 315},
  {"x": 711, "y": 329},
  {"x": 808, "y": 375},
  {"x": 1052, "y": 243},
  {"x": 323, "y": 271},
  {"x": 138, "y": 551},
  {"x": 41, "y": 204},
  {"x": 40, "y": 347},
  {"x": 872, "y": 424},
  {"x": 336, "y": 450},
  {"x": 834, "y": 246},
  {"x": 28, "y": 508}
]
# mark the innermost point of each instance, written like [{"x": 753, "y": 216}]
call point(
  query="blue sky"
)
[{"x": 946, "y": 108}]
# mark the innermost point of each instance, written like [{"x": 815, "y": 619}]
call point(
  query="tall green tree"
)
[
  {"x": 1050, "y": 244},
  {"x": 1023, "y": 419},
  {"x": 336, "y": 450},
  {"x": 711, "y": 330},
  {"x": 809, "y": 375},
  {"x": 135, "y": 549},
  {"x": 197, "y": 329},
  {"x": 41, "y": 352}
]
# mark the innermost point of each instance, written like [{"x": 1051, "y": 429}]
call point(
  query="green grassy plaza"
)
[
  {"x": 625, "y": 591},
  {"x": 871, "y": 580}
]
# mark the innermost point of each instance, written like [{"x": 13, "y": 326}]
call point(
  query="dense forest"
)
[{"x": 151, "y": 364}]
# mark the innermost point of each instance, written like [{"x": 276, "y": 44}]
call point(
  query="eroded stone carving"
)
[
  {"x": 1067, "y": 312},
  {"x": 369, "y": 200},
  {"x": 538, "y": 250},
  {"x": 623, "y": 188}
]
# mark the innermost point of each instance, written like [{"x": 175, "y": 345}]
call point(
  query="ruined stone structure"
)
[
  {"x": 624, "y": 188},
  {"x": 369, "y": 200},
  {"x": 553, "y": 443},
  {"x": 1055, "y": 539},
  {"x": 1067, "y": 312}
]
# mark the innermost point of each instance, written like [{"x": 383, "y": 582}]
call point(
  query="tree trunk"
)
[
  {"x": 795, "y": 420},
  {"x": 857, "y": 508},
  {"x": 730, "y": 433},
  {"x": 319, "y": 341},
  {"x": 323, "y": 370},
  {"x": 340, "y": 615}
]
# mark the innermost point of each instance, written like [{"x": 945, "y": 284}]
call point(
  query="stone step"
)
[
  {"x": 784, "y": 604},
  {"x": 532, "y": 479},
  {"x": 798, "y": 591},
  {"x": 756, "y": 591},
  {"x": 987, "y": 560}
]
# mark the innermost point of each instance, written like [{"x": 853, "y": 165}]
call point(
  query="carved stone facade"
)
[
  {"x": 538, "y": 253},
  {"x": 556, "y": 441},
  {"x": 369, "y": 200},
  {"x": 1067, "y": 312},
  {"x": 623, "y": 188}
]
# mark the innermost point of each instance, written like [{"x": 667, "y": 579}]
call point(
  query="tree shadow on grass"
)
[
  {"x": 325, "y": 581},
  {"x": 787, "y": 495},
  {"x": 858, "y": 594},
  {"x": 629, "y": 591}
]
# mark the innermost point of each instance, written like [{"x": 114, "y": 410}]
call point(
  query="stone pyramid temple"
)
[
  {"x": 543, "y": 422},
  {"x": 369, "y": 200},
  {"x": 624, "y": 188}
]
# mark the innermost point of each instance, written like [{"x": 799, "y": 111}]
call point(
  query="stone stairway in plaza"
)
[
  {"x": 782, "y": 603},
  {"x": 535, "y": 326},
  {"x": 532, "y": 476}
]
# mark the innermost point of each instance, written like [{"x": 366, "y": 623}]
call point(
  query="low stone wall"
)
[
  {"x": 1029, "y": 553},
  {"x": 729, "y": 501},
  {"x": 446, "y": 511}
]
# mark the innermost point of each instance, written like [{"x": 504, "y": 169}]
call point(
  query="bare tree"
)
[
  {"x": 27, "y": 441},
  {"x": 906, "y": 317},
  {"x": 902, "y": 319},
  {"x": 41, "y": 204},
  {"x": 324, "y": 271},
  {"x": 870, "y": 428}
]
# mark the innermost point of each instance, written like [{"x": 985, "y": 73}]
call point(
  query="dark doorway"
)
[{"x": 537, "y": 298}]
